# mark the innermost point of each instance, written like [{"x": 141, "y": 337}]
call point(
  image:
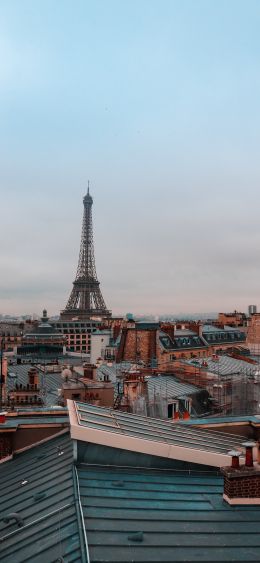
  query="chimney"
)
[
  {"x": 242, "y": 482},
  {"x": 33, "y": 376},
  {"x": 90, "y": 371}
]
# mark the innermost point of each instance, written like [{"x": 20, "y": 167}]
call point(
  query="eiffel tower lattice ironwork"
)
[{"x": 86, "y": 299}]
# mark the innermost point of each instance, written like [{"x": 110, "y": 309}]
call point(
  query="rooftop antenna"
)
[{"x": 88, "y": 187}]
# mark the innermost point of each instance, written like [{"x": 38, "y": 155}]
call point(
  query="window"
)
[{"x": 172, "y": 408}]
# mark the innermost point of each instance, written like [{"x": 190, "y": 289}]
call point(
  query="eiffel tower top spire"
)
[
  {"x": 86, "y": 299},
  {"x": 88, "y": 198}
]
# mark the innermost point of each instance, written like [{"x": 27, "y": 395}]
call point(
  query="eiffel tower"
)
[{"x": 86, "y": 299}]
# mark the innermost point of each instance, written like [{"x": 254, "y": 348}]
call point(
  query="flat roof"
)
[{"x": 14, "y": 422}]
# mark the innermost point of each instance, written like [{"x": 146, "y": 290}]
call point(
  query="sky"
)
[{"x": 156, "y": 103}]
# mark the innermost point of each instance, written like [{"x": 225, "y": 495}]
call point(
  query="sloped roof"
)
[
  {"x": 150, "y": 435},
  {"x": 226, "y": 365},
  {"x": 168, "y": 386},
  {"x": 39, "y": 485},
  {"x": 49, "y": 382},
  {"x": 160, "y": 516}
]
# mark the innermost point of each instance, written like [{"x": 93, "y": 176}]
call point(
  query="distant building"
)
[
  {"x": 11, "y": 333},
  {"x": 99, "y": 342},
  {"x": 77, "y": 333},
  {"x": 232, "y": 319},
  {"x": 43, "y": 341},
  {"x": 253, "y": 334},
  {"x": 252, "y": 310},
  {"x": 83, "y": 385},
  {"x": 160, "y": 345}
]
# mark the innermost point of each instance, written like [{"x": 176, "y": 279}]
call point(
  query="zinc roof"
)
[
  {"x": 39, "y": 485},
  {"x": 168, "y": 386},
  {"x": 49, "y": 382},
  {"x": 160, "y": 516},
  {"x": 211, "y": 328},
  {"x": 226, "y": 365},
  {"x": 154, "y": 430}
]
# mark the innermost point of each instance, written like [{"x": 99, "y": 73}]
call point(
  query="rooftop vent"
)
[{"x": 14, "y": 516}]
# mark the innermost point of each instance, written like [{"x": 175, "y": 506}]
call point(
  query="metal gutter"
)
[{"x": 80, "y": 516}]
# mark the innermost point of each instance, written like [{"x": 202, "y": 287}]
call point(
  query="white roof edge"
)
[{"x": 141, "y": 445}]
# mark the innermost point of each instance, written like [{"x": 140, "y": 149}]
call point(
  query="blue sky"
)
[{"x": 157, "y": 104}]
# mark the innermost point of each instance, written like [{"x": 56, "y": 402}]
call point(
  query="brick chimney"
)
[
  {"x": 242, "y": 482},
  {"x": 33, "y": 376},
  {"x": 169, "y": 328},
  {"x": 196, "y": 327},
  {"x": 90, "y": 371}
]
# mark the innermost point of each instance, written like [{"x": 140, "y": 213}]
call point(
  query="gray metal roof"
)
[
  {"x": 184, "y": 332},
  {"x": 225, "y": 365},
  {"x": 113, "y": 370},
  {"x": 152, "y": 429},
  {"x": 168, "y": 386},
  {"x": 49, "y": 382},
  {"x": 159, "y": 516},
  {"x": 211, "y": 328},
  {"x": 39, "y": 485}
]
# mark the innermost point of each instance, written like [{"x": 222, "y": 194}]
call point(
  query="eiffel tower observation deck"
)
[{"x": 86, "y": 299}]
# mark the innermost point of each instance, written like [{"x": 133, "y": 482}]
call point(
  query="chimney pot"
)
[
  {"x": 2, "y": 417},
  {"x": 235, "y": 458},
  {"x": 249, "y": 462}
]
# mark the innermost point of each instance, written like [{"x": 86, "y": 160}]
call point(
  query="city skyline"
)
[{"x": 158, "y": 106}]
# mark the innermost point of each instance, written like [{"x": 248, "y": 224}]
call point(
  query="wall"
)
[
  {"x": 102, "y": 396},
  {"x": 98, "y": 345},
  {"x": 253, "y": 334},
  {"x": 27, "y": 436},
  {"x": 140, "y": 345}
]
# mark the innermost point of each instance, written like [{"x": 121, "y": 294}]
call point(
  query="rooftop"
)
[
  {"x": 226, "y": 365},
  {"x": 39, "y": 485},
  {"x": 72, "y": 511},
  {"x": 168, "y": 386},
  {"x": 48, "y": 382},
  {"x": 212, "y": 328},
  {"x": 160, "y": 516},
  {"x": 150, "y": 435}
]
